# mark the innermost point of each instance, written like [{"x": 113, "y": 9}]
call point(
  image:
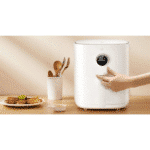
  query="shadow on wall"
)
[{"x": 26, "y": 61}]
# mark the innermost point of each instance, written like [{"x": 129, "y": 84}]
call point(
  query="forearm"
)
[{"x": 140, "y": 80}]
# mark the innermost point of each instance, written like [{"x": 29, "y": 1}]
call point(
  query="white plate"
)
[{"x": 2, "y": 101}]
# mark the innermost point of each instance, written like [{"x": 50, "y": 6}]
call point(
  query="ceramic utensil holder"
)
[{"x": 54, "y": 88}]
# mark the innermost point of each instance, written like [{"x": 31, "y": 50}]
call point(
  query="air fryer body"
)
[{"x": 89, "y": 92}]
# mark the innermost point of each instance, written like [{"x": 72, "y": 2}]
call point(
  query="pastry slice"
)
[
  {"x": 22, "y": 101},
  {"x": 33, "y": 100},
  {"x": 12, "y": 100}
]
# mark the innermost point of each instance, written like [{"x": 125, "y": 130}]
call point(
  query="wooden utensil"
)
[
  {"x": 50, "y": 74},
  {"x": 63, "y": 63},
  {"x": 68, "y": 63},
  {"x": 57, "y": 65}
]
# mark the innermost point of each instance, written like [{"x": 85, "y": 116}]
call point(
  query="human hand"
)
[{"x": 115, "y": 81}]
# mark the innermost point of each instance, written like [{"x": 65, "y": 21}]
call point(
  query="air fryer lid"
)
[{"x": 101, "y": 42}]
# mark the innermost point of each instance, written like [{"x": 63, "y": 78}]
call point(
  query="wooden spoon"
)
[
  {"x": 50, "y": 74},
  {"x": 57, "y": 65},
  {"x": 68, "y": 63},
  {"x": 63, "y": 63}
]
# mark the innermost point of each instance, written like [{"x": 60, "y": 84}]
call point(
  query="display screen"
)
[{"x": 102, "y": 60}]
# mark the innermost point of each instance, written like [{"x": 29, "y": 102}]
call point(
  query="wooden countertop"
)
[{"x": 137, "y": 105}]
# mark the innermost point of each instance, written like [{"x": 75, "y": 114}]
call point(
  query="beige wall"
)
[{"x": 25, "y": 60}]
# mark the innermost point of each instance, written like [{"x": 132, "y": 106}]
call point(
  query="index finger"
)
[{"x": 107, "y": 79}]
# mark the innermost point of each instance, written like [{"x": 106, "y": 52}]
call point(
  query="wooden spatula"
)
[
  {"x": 50, "y": 74},
  {"x": 63, "y": 63},
  {"x": 68, "y": 63}
]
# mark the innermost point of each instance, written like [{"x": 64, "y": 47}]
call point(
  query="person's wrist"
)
[{"x": 131, "y": 82}]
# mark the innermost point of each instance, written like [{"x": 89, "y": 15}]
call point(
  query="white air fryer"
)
[{"x": 92, "y": 58}]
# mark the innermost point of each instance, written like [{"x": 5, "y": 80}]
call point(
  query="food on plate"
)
[
  {"x": 22, "y": 99},
  {"x": 12, "y": 100},
  {"x": 33, "y": 100}
]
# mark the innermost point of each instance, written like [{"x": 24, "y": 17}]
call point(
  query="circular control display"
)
[{"x": 102, "y": 60}]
